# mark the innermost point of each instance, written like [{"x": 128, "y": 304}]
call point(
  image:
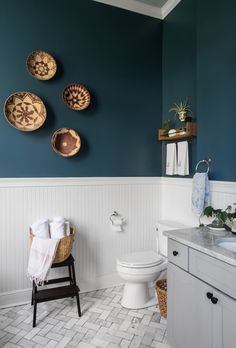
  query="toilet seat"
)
[{"x": 142, "y": 259}]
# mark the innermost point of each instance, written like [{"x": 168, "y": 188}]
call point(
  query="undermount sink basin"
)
[{"x": 228, "y": 243}]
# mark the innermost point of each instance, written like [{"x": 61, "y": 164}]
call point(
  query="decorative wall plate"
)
[
  {"x": 25, "y": 111},
  {"x": 41, "y": 65},
  {"x": 66, "y": 142},
  {"x": 76, "y": 96}
]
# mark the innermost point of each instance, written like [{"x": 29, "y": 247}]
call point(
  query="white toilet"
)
[{"x": 140, "y": 268}]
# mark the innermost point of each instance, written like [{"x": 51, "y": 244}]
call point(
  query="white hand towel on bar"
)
[
  {"x": 57, "y": 229},
  {"x": 183, "y": 160},
  {"x": 40, "y": 228},
  {"x": 42, "y": 253},
  {"x": 171, "y": 159}
]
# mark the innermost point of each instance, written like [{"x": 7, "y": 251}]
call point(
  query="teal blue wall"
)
[
  {"x": 117, "y": 54},
  {"x": 179, "y": 65},
  {"x": 199, "y": 61},
  {"x": 216, "y": 93}
]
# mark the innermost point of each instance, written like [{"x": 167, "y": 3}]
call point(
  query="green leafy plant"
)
[
  {"x": 167, "y": 125},
  {"x": 181, "y": 109},
  {"x": 220, "y": 216}
]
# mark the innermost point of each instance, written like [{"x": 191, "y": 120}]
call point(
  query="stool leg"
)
[
  {"x": 78, "y": 304},
  {"x": 73, "y": 273},
  {"x": 77, "y": 295},
  {"x": 34, "y": 315},
  {"x": 70, "y": 275},
  {"x": 34, "y": 289}
]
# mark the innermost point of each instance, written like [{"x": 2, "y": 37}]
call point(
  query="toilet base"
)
[{"x": 137, "y": 296}]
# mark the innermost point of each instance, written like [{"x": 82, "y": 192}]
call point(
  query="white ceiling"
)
[{"x": 153, "y": 8}]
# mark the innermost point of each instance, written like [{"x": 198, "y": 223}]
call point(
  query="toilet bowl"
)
[{"x": 139, "y": 269}]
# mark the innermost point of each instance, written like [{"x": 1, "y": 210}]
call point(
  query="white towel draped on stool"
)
[
  {"x": 42, "y": 253},
  {"x": 183, "y": 161},
  {"x": 171, "y": 159}
]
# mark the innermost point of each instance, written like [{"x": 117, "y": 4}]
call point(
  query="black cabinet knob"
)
[
  {"x": 209, "y": 295},
  {"x": 214, "y": 300},
  {"x": 175, "y": 253}
]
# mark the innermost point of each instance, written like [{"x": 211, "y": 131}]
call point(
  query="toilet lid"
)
[{"x": 140, "y": 259}]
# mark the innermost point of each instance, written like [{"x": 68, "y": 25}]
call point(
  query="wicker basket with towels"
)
[{"x": 64, "y": 247}]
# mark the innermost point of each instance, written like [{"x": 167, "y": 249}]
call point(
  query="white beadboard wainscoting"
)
[
  {"x": 88, "y": 204},
  {"x": 177, "y": 195}
]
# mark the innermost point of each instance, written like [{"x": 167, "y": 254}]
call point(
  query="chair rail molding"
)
[{"x": 80, "y": 181}]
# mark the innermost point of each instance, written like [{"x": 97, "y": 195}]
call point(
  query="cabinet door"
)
[
  {"x": 190, "y": 312},
  {"x": 224, "y": 315}
]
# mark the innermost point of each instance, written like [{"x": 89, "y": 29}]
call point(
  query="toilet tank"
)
[{"x": 165, "y": 225}]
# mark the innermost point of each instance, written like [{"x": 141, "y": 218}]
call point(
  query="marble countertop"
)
[{"x": 203, "y": 239}]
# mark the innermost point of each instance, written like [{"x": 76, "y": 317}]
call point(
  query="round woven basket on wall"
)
[
  {"x": 64, "y": 247},
  {"x": 161, "y": 291}
]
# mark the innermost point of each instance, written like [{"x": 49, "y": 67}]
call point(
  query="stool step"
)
[
  {"x": 63, "y": 263},
  {"x": 56, "y": 293}
]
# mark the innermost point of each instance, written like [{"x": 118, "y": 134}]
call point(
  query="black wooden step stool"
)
[{"x": 57, "y": 292}]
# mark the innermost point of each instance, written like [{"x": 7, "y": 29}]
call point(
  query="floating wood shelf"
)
[{"x": 190, "y": 130}]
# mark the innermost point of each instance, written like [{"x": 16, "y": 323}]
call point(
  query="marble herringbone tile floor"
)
[{"x": 104, "y": 323}]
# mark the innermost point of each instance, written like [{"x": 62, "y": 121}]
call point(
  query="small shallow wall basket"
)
[
  {"x": 161, "y": 291},
  {"x": 64, "y": 247}
]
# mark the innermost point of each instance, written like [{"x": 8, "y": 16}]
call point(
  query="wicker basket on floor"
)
[
  {"x": 161, "y": 291},
  {"x": 64, "y": 247}
]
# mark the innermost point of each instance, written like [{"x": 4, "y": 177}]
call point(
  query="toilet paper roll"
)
[
  {"x": 116, "y": 228},
  {"x": 117, "y": 221}
]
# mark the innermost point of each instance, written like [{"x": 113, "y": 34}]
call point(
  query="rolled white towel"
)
[
  {"x": 58, "y": 219},
  {"x": 66, "y": 222},
  {"x": 40, "y": 228},
  {"x": 57, "y": 229}
]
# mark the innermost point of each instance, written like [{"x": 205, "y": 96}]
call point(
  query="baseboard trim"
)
[
  {"x": 15, "y": 298},
  {"x": 23, "y": 297}
]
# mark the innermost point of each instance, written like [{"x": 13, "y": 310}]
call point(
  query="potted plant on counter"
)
[{"x": 221, "y": 217}]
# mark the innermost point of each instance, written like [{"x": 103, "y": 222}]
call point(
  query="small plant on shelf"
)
[
  {"x": 166, "y": 126},
  {"x": 181, "y": 109}
]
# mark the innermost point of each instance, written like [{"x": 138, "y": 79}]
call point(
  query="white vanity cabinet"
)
[{"x": 199, "y": 315}]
